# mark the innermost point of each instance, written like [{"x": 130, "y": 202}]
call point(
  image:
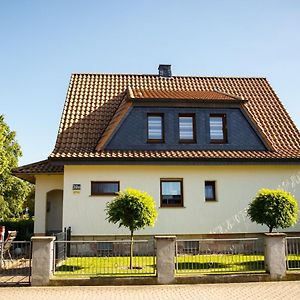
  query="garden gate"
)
[{"x": 15, "y": 263}]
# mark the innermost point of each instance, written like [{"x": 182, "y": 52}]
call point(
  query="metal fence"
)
[
  {"x": 293, "y": 253},
  {"x": 105, "y": 258},
  {"x": 15, "y": 263},
  {"x": 213, "y": 256},
  {"x": 62, "y": 250}
]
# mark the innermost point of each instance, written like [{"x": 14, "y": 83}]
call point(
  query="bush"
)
[
  {"x": 274, "y": 208},
  {"x": 23, "y": 227}
]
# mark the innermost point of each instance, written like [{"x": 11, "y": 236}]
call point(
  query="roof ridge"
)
[
  {"x": 168, "y": 78},
  {"x": 227, "y": 94}
]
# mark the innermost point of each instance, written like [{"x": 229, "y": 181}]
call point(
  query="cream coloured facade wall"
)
[
  {"x": 235, "y": 186},
  {"x": 43, "y": 185}
]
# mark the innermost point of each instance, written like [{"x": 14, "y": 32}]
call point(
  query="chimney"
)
[{"x": 164, "y": 71}]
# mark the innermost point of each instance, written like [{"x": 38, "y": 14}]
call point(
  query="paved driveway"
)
[{"x": 266, "y": 290}]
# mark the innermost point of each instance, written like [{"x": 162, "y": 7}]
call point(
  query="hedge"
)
[{"x": 24, "y": 228}]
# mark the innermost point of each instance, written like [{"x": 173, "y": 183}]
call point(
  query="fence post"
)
[
  {"x": 42, "y": 260},
  {"x": 165, "y": 265},
  {"x": 68, "y": 237},
  {"x": 275, "y": 261}
]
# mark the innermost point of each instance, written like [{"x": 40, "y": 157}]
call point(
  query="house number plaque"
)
[{"x": 76, "y": 187}]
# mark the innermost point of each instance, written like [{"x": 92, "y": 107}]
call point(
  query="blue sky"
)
[{"x": 43, "y": 42}]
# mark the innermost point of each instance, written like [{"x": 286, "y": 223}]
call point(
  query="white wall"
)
[
  {"x": 236, "y": 186},
  {"x": 44, "y": 184}
]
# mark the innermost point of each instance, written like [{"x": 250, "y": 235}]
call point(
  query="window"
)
[
  {"x": 210, "y": 191},
  {"x": 217, "y": 125},
  {"x": 187, "y": 127},
  {"x": 104, "y": 187},
  {"x": 155, "y": 128},
  {"x": 104, "y": 248},
  {"x": 171, "y": 192},
  {"x": 191, "y": 247}
]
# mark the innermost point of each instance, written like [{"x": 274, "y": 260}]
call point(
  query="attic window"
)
[
  {"x": 217, "y": 126},
  {"x": 155, "y": 128},
  {"x": 187, "y": 132}
]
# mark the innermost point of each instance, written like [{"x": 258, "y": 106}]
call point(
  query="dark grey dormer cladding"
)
[{"x": 132, "y": 131}]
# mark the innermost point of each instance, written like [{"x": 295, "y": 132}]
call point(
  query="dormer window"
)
[
  {"x": 187, "y": 133},
  {"x": 217, "y": 126},
  {"x": 155, "y": 128}
]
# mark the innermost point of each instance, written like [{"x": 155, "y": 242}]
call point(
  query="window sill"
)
[
  {"x": 172, "y": 207},
  {"x": 101, "y": 195},
  {"x": 218, "y": 142},
  {"x": 155, "y": 141},
  {"x": 187, "y": 142}
]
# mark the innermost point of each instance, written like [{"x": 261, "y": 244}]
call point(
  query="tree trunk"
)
[
  {"x": 270, "y": 229},
  {"x": 131, "y": 249}
]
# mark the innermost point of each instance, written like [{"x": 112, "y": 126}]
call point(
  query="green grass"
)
[
  {"x": 215, "y": 264},
  {"x": 145, "y": 266},
  {"x": 106, "y": 266},
  {"x": 294, "y": 261}
]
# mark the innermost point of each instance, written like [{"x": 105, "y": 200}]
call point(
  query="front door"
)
[{"x": 54, "y": 211}]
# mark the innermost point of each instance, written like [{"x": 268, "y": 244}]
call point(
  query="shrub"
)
[
  {"x": 274, "y": 208},
  {"x": 23, "y": 227}
]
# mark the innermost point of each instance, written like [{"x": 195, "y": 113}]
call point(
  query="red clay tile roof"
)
[
  {"x": 42, "y": 167},
  {"x": 114, "y": 122},
  {"x": 96, "y": 103},
  {"x": 143, "y": 94},
  {"x": 93, "y": 99},
  {"x": 185, "y": 154}
]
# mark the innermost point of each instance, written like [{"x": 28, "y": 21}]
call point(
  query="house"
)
[{"x": 201, "y": 146}]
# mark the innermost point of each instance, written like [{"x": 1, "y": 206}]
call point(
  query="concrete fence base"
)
[
  {"x": 275, "y": 262},
  {"x": 42, "y": 260},
  {"x": 165, "y": 253}
]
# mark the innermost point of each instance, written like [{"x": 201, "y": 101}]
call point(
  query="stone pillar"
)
[
  {"x": 165, "y": 264},
  {"x": 275, "y": 261},
  {"x": 42, "y": 260}
]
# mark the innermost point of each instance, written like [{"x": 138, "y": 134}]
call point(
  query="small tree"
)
[
  {"x": 132, "y": 209},
  {"x": 274, "y": 208}
]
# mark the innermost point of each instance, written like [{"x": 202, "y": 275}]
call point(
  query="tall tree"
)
[
  {"x": 13, "y": 191},
  {"x": 132, "y": 209}
]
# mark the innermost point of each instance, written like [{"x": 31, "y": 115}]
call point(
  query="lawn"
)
[
  {"x": 106, "y": 266},
  {"x": 220, "y": 263},
  {"x": 145, "y": 265},
  {"x": 294, "y": 261}
]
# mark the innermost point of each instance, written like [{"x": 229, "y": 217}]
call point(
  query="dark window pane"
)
[
  {"x": 210, "y": 192},
  {"x": 102, "y": 188},
  {"x": 186, "y": 128},
  {"x": 155, "y": 128},
  {"x": 105, "y": 246}
]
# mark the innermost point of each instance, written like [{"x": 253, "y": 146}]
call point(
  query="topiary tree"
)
[
  {"x": 274, "y": 208},
  {"x": 132, "y": 209}
]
